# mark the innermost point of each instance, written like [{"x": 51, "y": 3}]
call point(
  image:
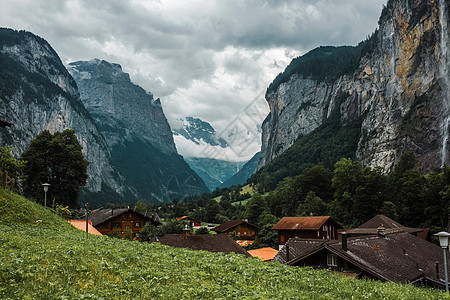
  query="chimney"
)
[
  {"x": 381, "y": 230},
  {"x": 437, "y": 269},
  {"x": 287, "y": 252},
  {"x": 344, "y": 241}
]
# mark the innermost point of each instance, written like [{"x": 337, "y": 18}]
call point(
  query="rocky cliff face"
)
[
  {"x": 137, "y": 132},
  {"x": 401, "y": 88},
  {"x": 121, "y": 109},
  {"x": 37, "y": 93}
]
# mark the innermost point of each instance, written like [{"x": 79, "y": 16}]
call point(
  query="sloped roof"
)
[
  {"x": 187, "y": 218},
  {"x": 297, "y": 248},
  {"x": 81, "y": 224},
  {"x": 208, "y": 242},
  {"x": 231, "y": 224},
  {"x": 302, "y": 223},
  {"x": 266, "y": 254},
  {"x": 103, "y": 215},
  {"x": 381, "y": 219},
  {"x": 391, "y": 226},
  {"x": 399, "y": 257}
]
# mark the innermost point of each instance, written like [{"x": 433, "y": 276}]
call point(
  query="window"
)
[
  {"x": 127, "y": 227},
  {"x": 105, "y": 225},
  {"x": 137, "y": 224},
  {"x": 332, "y": 260},
  {"x": 117, "y": 225},
  {"x": 281, "y": 238}
]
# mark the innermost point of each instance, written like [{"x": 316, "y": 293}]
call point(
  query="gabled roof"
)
[
  {"x": 399, "y": 257},
  {"x": 266, "y": 254},
  {"x": 81, "y": 224},
  {"x": 381, "y": 219},
  {"x": 187, "y": 218},
  {"x": 208, "y": 242},
  {"x": 232, "y": 224},
  {"x": 104, "y": 215},
  {"x": 302, "y": 223},
  {"x": 391, "y": 226}
]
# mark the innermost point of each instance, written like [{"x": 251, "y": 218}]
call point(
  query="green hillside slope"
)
[{"x": 43, "y": 257}]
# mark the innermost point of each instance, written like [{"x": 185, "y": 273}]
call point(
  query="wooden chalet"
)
[
  {"x": 313, "y": 227},
  {"x": 398, "y": 257},
  {"x": 370, "y": 228},
  {"x": 207, "y": 242},
  {"x": 240, "y": 228},
  {"x": 122, "y": 221},
  {"x": 193, "y": 222}
]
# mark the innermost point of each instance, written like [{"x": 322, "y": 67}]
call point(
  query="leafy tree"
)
[
  {"x": 10, "y": 164},
  {"x": 255, "y": 208},
  {"x": 212, "y": 210},
  {"x": 313, "y": 205},
  {"x": 56, "y": 159}
]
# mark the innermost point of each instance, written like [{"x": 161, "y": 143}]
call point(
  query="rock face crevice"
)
[{"x": 400, "y": 87}]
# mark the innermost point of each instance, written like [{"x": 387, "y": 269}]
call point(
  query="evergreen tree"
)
[{"x": 56, "y": 159}]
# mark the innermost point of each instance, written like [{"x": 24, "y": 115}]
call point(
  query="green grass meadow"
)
[{"x": 43, "y": 257}]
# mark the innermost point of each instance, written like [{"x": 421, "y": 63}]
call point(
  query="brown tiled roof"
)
[
  {"x": 231, "y": 224},
  {"x": 381, "y": 219},
  {"x": 297, "y": 248},
  {"x": 102, "y": 215},
  {"x": 208, "y": 242},
  {"x": 391, "y": 226},
  {"x": 266, "y": 254},
  {"x": 301, "y": 223},
  {"x": 399, "y": 257}
]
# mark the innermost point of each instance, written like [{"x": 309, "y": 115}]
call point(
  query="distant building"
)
[
  {"x": 207, "y": 242},
  {"x": 313, "y": 227},
  {"x": 398, "y": 257},
  {"x": 193, "y": 222},
  {"x": 123, "y": 220},
  {"x": 370, "y": 228},
  {"x": 241, "y": 229}
]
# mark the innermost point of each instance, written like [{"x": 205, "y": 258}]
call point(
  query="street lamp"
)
[
  {"x": 45, "y": 185},
  {"x": 443, "y": 241}
]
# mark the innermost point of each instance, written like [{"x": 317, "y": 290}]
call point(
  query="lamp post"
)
[
  {"x": 45, "y": 185},
  {"x": 443, "y": 241}
]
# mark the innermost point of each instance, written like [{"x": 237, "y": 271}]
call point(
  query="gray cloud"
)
[{"x": 206, "y": 59}]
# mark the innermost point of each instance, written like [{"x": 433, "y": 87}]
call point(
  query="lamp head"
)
[
  {"x": 443, "y": 238},
  {"x": 46, "y": 185}
]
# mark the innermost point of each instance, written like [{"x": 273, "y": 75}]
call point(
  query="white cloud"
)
[{"x": 207, "y": 59}]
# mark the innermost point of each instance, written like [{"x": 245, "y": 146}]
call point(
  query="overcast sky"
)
[{"x": 207, "y": 59}]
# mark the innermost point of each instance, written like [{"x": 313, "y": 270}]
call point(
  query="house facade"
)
[
  {"x": 194, "y": 223},
  {"x": 122, "y": 221},
  {"x": 241, "y": 229},
  {"x": 313, "y": 227}
]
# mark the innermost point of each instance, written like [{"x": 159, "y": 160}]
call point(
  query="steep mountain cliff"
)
[
  {"x": 396, "y": 84},
  {"x": 37, "y": 93},
  {"x": 137, "y": 132},
  {"x": 244, "y": 173}
]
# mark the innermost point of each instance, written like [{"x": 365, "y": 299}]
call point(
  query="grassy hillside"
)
[{"x": 43, "y": 257}]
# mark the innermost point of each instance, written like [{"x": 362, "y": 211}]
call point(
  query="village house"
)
[
  {"x": 313, "y": 227},
  {"x": 122, "y": 221},
  {"x": 241, "y": 229},
  {"x": 207, "y": 242},
  {"x": 370, "y": 228},
  {"x": 399, "y": 257},
  {"x": 192, "y": 221},
  {"x": 266, "y": 254}
]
